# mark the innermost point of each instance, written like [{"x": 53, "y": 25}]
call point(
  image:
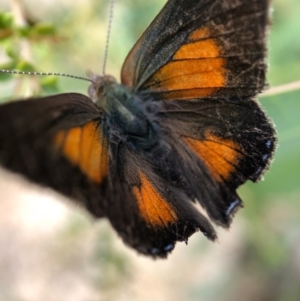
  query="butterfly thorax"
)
[{"x": 126, "y": 112}]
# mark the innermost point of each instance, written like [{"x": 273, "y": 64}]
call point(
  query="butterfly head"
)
[{"x": 99, "y": 87}]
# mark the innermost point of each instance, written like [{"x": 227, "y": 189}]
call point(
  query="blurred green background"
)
[{"x": 258, "y": 259}]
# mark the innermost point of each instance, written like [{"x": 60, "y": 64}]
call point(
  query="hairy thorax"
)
[{"x": 126, "y": 114}]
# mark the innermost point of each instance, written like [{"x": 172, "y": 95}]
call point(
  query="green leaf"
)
[
  {"x": 37, "y": 30},
  {"x": 49, "y": 84},
  {"x": 44, "y": 29},
  {"x": 7, "y": 66},
  {"x": 6, "y": 20},
  {"x": 25, "y": 66},
  {"x": 12, "y": 52},
  {"x": 24, "y": 31},
  {"x": 6, "y": 23}
]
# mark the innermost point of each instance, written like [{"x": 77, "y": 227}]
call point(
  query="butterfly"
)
[{"x": 183, "y": 126}]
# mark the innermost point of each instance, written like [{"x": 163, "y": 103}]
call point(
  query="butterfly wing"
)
[
  {"x": 227, "y": 142},
  {"x": 60, "y": 142},
  {"x": 148, "y": 212},
  {"x": 201, "y": 48},
  {"x": 203, "y": 62}
]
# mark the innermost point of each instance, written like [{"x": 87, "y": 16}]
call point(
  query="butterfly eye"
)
[
  {"x": 100, "y": 90},
  {"x": 99, "y": 85},
  {"x": 95, "y": 90}
]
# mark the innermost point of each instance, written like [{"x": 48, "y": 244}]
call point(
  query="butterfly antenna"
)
[
  {"x": 44, "y": 73},
  {"x": 110, "y": 18}
]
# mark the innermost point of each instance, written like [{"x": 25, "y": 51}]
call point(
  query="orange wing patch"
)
[
  {"x": 194, "y": 50},
  {"x": 87, "y": 148},
  {"x": 198, "y": 34},
  {"x": 221, "y": 156},
  {"x": 197, "y": 69},
  {"x": 153, "y": 207}
]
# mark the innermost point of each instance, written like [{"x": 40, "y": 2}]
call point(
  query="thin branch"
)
[{"x": 282, "y": 89}]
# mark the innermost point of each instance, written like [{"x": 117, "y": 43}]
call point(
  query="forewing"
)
[
  {"x": 57, "y": 141},
  {"x": 201, "y": 48}
]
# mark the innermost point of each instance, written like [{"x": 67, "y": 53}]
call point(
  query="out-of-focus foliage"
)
[
  {"x": 16, "y": 41},
  {"x": 259, "y": 259}
]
